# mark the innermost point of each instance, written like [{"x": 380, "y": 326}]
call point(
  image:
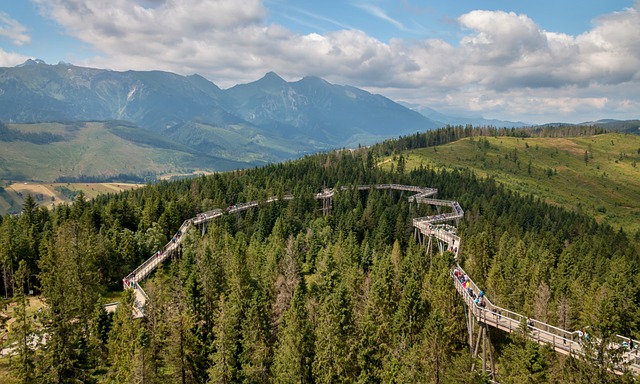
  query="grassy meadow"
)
[
  {"x": 87, "y": 150},
  {"x": 598, "y": 175},
  {"x": 50, "y": 194}
]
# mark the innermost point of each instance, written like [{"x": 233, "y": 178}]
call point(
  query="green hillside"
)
[
  {"x": 48, "y": 151},
  {"x": 598, "y": 175}
]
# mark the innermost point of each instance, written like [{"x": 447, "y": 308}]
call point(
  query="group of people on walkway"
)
[
  {"x": 464, "y": 280},
  {"x": 129, "y": 283},
  {"x": 457, "y": 208},
  {"x": 438, "y": 218}
]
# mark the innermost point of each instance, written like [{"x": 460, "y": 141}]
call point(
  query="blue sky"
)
[
  {"x": 535, "y": 61},
  {"x": 385, "y": 20}
]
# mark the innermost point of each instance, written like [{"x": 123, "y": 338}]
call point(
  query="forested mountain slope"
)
[{"x": 284, "y": 292}]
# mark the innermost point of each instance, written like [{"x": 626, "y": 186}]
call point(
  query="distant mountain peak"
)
[
  {"x": 314, "y": 80},
  {"x": 31, "y": 62},
  {"x": 272, "y": 74},
  {"x": 272, "y": 78}
]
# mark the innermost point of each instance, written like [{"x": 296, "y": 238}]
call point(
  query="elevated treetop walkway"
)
[{"x": 426, "y": 229}]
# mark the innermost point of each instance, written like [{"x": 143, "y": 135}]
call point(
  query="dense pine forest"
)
[{"x": 285, "y": 294}]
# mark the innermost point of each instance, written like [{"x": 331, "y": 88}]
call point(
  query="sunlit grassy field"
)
[
  {"x": 49, "y": 194},
  {"x": 598, "y": 175}
]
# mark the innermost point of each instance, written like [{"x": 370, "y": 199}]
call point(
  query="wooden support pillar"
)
[
  {"x": 492, "y": 374},
  {"x": 484, "y": 348},
  {"x": 475, "y": 350},
  {"x": 441, "y": 246},
  {"x": 482, "y": 341},
  {"x": 470, "y": 326},
  {"x": 326, "y": 205}
]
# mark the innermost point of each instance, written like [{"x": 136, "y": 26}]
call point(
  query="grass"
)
[
  {"x": 605, "y": 184},
  {"x": 6, "y": 375},
  {"x": 113, "y": 296},
  {"x": 50, "y": 194},
  {"x": 91, "y": 150}
]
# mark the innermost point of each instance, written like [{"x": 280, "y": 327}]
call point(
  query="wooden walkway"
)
[{"x": 427, "y": 230}]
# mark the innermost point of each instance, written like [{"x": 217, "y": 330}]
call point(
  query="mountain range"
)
[
  {"x": 186, "y": 122},
  {"x": 264, "y": 121}
]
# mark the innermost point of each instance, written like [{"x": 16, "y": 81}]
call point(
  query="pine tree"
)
[
  {"x": 157, "y": 328},
  {"x": 293, "y": 354},
  {"x": 285, "y": 283},
  {"x": 525, "y": 362},
  {"x": 22, "y": 329},
  {"x": 224, "y": 358},
  {"x": 123, "y": 346},
  {"x": 99, "y": 328},
  {"x": 334, "y": 358},
  {"x": 255, "y": 333},
  {"x": 369, "y": 350},
  {"x": 7, "y": 252},
  {"x": 70, "y": 286}
]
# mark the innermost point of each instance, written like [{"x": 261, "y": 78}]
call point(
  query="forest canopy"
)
[{"x": 285, "y": 294}]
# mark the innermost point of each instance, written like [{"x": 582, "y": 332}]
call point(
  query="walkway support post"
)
[{"x": 483, "y": 341}]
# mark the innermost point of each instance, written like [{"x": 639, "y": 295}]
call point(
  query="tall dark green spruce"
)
[
  {"x": 70, "y": 286},
  {"x": 23, "y": 329}
]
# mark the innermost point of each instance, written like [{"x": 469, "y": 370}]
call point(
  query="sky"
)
[{"x": 533, "y": 61}]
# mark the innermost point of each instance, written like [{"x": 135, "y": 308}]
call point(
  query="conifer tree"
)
[
  {"x": 22, "y": 329},
  {"x": 285, "y": 283},
  {"x": 70, "y": 286},
  {"x": 255, "y": 333},
  {"x": 99, "y": 329},
  {"x": 157, "y": 327},
  {"x": 334, "y": 358},
  {"x": 293, "y": 354},
  {"x": 224, "y": 362},
  {"x": 525, "y": 362},
  {"x": 123, "y": 342},
  {"x": 7, "y": 253}
]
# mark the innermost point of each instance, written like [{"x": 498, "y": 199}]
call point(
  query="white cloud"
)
[
  {"x": 381, "y": 14},
  {"x": 500, "y": 38},
  {"x": 504, "y": 64},
  {"x": 13, "y": 30},
  {"x": 10, "y": 59},
  {"x": 526, "y": 56},
  {"x": 316, "y": 16}
]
